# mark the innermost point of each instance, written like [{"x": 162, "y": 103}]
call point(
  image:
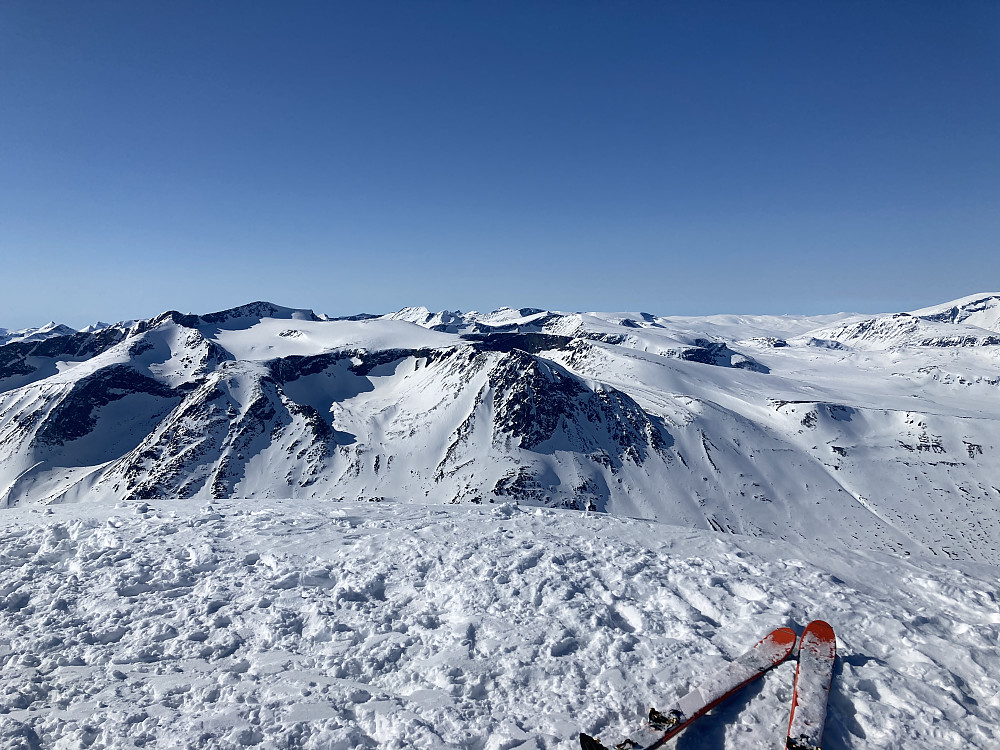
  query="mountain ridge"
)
[{"x": 878, "y": 432}]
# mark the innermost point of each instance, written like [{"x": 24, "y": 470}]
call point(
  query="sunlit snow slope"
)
[{"x": 876, "y": 432}]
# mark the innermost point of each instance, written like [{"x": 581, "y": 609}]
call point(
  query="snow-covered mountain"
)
[
  {"x": 878, "y": 432},
  {"x": 145, "y": 601},
  {"x": 41, "y": 333}
]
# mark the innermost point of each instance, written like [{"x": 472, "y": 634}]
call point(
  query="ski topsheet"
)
[
  {"x": 661, "y": 726},
  {"x": 817, "y": 653}
]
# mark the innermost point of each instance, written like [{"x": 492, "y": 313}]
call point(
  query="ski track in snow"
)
[{"x": 308, "y": 624}]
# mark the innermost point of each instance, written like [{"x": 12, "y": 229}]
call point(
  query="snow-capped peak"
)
[
  {"x": 49, "y": 330},
  {"x": 256, "y": 311},
  {"x": 981, "y": 310},
  {"x": 424, "y": 317},
  {"x": 98, "y": 326}
]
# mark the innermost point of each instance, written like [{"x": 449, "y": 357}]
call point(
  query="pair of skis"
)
[{"x": 817, "y": 652}]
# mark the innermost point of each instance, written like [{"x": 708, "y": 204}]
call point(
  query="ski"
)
[
  {"x": 817, "y": 653},
  {"x": 661, "y": 726}
]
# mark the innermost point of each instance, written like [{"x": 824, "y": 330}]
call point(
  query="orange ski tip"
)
[
  {"x": 784, "y": 637},
  {"x": 820, "y": 629}
]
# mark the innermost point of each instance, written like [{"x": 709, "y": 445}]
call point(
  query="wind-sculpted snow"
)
[
  {"x": 878, "y": 432},
  {"x": 323, "y": 626}
]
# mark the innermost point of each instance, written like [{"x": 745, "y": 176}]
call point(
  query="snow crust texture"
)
[{"x": 310, "y": 624}]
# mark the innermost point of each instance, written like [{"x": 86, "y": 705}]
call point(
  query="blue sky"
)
[{"x": 673, "y": 157}]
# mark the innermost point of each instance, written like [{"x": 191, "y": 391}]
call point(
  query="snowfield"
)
[
  {"x": 267, "y": 528},
  {"x": 333, "y": 625}
]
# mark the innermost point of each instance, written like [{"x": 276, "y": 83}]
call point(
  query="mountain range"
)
[{"x": 878, "y": 432}]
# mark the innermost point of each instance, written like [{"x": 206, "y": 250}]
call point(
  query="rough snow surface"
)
[{"x": 311, "y": 624}]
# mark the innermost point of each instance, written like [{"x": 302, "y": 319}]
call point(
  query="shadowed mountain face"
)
[{"x": 874, "y": 431}]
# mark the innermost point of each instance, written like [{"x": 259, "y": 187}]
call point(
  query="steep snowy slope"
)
[
  {"x": 981, "y": 310},
  {"x": 875, "y": 432},
  {"x": 327, "y": 626}
]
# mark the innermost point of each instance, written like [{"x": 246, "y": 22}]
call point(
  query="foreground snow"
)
[{"x": 287, "y": 624}]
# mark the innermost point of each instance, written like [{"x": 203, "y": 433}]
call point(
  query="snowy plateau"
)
[{"x": 264, "y": 527}]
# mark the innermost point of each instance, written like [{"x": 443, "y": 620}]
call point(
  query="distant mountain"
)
[
  {"x": 872, "y": 431},
  {"x": 974, "y": 321},
  {"x": 980, "y": 310},
  {"x": 35, "y": 334}
]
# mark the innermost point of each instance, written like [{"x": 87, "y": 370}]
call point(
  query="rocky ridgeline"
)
[{"x": 846, "y": 427}]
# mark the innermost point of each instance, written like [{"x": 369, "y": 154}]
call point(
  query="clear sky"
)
[{"x": 674, "y": 157}]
